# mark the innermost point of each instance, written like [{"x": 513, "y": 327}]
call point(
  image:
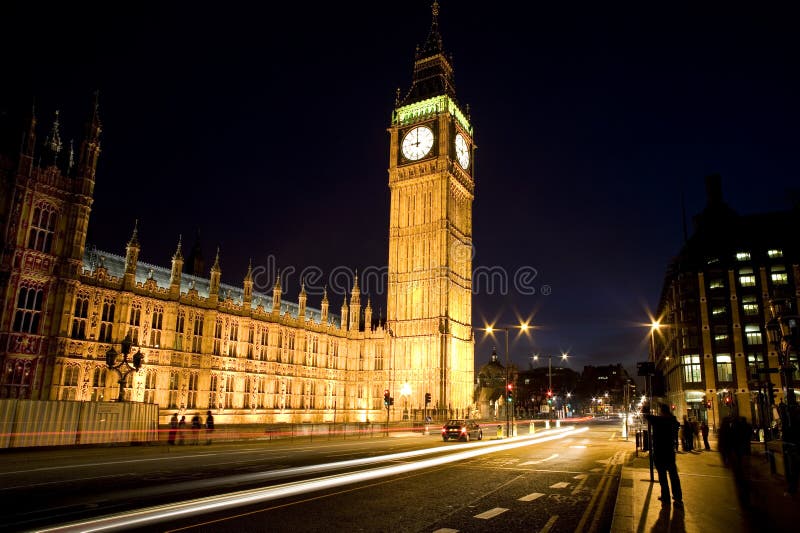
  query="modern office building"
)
[{"x": 712, "y": 344}]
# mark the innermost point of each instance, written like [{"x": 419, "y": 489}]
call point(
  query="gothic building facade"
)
[{"x": 250, "y": 357}]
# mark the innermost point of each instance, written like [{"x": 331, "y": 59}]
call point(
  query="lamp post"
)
[
  {"x": 123, "y": 368},
  {"x": 550, "y": 379},
  {"x": 490, "y": 330}
]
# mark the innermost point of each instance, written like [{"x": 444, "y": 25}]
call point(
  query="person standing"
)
[
  {"x": 704, "y": 431},
  {"x": 209, "y": 426},
  {"x": 173, "y": 428},
  {"x": 665, "y": 426},
  {"x": 196, "y": 425},
  {"x": 181, "y": 430}
]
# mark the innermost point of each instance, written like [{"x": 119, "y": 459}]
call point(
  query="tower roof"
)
[{"x": 433, "y": 72}]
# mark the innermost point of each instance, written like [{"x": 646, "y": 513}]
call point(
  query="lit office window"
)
[
  {"x": 743, "y": 256},
  {"x": 718, "y": 310},
  {"x": 779, "y": 276},
  {"x": 716, "y": 283},
  {"x": 747, "y": 278},
  {"x": 755, "y": 362},
  {"x": 774, "y": 254},
  {"x": 752, "y": 333},
  {"x": 691, "y": 369},
  {"x": 750, "y": 305},
  {"x": 724, "y": 367}
]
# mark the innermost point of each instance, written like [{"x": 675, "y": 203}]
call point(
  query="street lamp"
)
[
  {"x": 490, "y": 330},
  {"x": 550, "y": 377},
  {"x": 123, "y": 368},
  {"x": 405, "y": 392}
]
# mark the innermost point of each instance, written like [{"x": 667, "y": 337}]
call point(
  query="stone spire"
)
[
  {"x": 131, "y": 259},
  {"x": 247, "y": 295},
  {"x": 355, "y": 306},
  {"x": 177, "y": 267},
  {"x": 344, "y": 313},
  {"x": 301, "y": 301},
  {"x": 53, "y": 143},
  {"x": 324, "y": 306},
  {"x": 90, "y": 147},
  {"x": 276, "y": 294},
  {"x": 216, "y": 277},
  {"x": 368, "y": 316}
]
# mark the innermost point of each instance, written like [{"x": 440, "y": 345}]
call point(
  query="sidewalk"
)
[{"x": 712, "y": 500}]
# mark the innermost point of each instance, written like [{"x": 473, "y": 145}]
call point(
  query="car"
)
[{"x": 460, "y": 429}]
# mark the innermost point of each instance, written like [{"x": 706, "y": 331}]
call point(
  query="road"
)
[{"x": 561, "y": 480}]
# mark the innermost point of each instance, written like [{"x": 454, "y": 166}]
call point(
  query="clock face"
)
[
  {"x": 462, "y": 151},
  {"x": 417, "y": 143}
]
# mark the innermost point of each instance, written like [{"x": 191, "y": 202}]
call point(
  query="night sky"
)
[{"x": 266, "y": 131}]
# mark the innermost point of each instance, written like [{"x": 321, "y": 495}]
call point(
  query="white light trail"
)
[{"x": 175, "y": 511}]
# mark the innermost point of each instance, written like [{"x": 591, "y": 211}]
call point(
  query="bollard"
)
[
  {"x": 547, "y": 424},
  {"x": 558, "y": 422},
  {"x": 499, "y": 432},
  {"x": 532, "y": 429}
]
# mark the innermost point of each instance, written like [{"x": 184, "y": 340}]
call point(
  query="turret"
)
[
  {"x": 247, "y": 293},
  {"x": 90, "y": 150},
  {"x": 276, "y": 295},
  {"x": 216, "y": 276},
  {"x": 344, "y": 313},
  {"x": 175, "y": 273},
  {"x": 355, "y": 306},
  {"x": 52, "y": 143},
  {"x": 28, "y": 146},
  {"x": 324, "y": 306},
  {"x": 301, "y": 302},
  {"x": 131, "y": 258},
  {"x": 368, "y": 316}
]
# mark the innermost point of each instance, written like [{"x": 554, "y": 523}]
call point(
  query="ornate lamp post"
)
[{"x": 123, "y": 368}]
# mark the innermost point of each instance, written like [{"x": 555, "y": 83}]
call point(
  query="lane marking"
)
[
  {"x": 580, "y": 476},
  {"x": 613, "y": 435},
  {"x": 559, "y": 485},
  {"x": 491, "y": 513},
  {"x": 446, "y": 530},
  {"x": 580, "y": 485},
  {"x": 578, "y": 446},
  {"x": 596, "y": 470},
  {"x": 532, "y": 496},
  {"x": 539, "y": 461},
  {"x": 549, "y": 524}
]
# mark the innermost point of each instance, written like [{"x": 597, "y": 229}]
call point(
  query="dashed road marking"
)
[
  {"x": 613, "y": 435},
  {"x": 446, "y": 530},
  {"x": 596, "y": 470},
  {"x": 539, "y": 461},
  {"x": 491, "y": 513},
  {"x": 549, "y": 525},
  {"x": 532, "y": 496},
  {"x": 560, "y": 485},
  {"x": 580, "y": 476}
]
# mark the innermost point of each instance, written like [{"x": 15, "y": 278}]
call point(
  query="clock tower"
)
[{"x": 431, "y": 179}]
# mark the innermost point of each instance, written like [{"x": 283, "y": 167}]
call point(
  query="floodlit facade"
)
[{"x": 251, "y": 357}]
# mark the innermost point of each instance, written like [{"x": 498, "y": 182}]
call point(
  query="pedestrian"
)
[
  {"x": 196, "y": 425},
  {"x": 664, "y": 428},
  {"x": 696, "y": 433},
  {"x": 173, "y": 428},
  {"x": 687, "y": 434},
  {"x": 704, "y": 431},
  {"x": 209, "y": 427},
  {"x": 181, "y": 430}
]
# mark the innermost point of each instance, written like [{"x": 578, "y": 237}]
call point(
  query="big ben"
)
[{"x": 431, "y": 179}]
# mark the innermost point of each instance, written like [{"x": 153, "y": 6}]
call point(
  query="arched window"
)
[
  {"x": 79, "y": 316},
  {"x": 107, "y": 319},
  {"x": 29, "y": 309},
  {"x": 42, "y": 228}
]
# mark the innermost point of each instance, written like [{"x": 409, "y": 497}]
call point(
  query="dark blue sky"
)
[{"x": 266, "y": 129}]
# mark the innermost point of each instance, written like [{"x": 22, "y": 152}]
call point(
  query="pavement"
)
[{"x": 713, "y": 499}]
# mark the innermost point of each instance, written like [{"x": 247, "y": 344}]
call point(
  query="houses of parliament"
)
[{"x": 249, "y": 357}]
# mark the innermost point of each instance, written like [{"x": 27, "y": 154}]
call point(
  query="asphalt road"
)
[{"x": 402, "y": 483}]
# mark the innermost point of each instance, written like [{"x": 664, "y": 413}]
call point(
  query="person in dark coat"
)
[
  {"x": 173, "y": 428},
  {"x": 704, "y": 431},
  {"x": 181, "y": 430},
  {"x": 209, "y": 426},
  {"x": 665, "y": 426},
  {"x": 196, "y": 425}
]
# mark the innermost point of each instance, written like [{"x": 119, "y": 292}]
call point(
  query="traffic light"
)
[
  {"x": 391, "y": 401},
  {"x": 427, "y": 398},
  {"x": 708, "y": 404},
  {"x": 386, "y": 398},
  {"x": 510, "y": 392},
  {"x": 728, "y": 401}
]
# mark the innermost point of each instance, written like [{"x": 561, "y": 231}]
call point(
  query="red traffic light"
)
[
  {"x": 549, "y": 393},
  {"x": 510, "y": 386}
]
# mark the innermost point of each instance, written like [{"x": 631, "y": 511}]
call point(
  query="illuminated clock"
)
[
  {"x": 417, "y": 143},
  {"x": 462, "y": 151}
]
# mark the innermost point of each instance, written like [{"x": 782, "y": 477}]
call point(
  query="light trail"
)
[{"x": 174, "y": 511}]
